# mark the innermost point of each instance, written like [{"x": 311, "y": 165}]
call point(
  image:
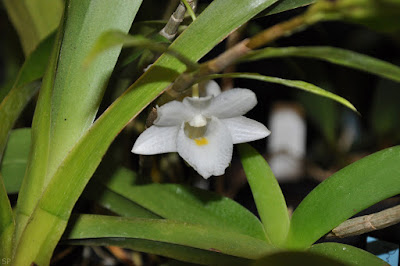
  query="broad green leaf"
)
[
  {"x": 298, "y": 84},
  {"x": 284, "y": 5},
  {"x": 178, "y": 252},
  {"x": 267, "y": 194},
  {"x": 34, "y": 20},
  {"x": 294, "y": 258},
  {"x": 334, "y": 55},
  {"x": 116, "y": 202},
  {"x": 23, "y": 89},
  {"x": 347, "y": 254},
  {"x": 175, "y": 232},
  {"x": 186, "y": 204},
  {"x": 110, "y": 39},
  {"x": 15, "y": 159},
  {"x": 80, "y": 163},
  {"x": 71, "y": 94},
  {"x": 7, "y": 223},
  {"x": 344, "y": 194}
]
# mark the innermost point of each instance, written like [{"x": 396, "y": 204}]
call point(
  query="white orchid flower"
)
[{"x": 203, "y": 130}]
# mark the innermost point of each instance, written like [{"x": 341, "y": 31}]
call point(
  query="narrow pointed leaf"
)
[
  {"x": 267, "y": 194},
  {"x": 347, "y": 254},
  {"x": 23, "y": 88},
  {"x": 298, "y": 84},
  {"x": 284, "y": 5},
  {"x": 182, "y": 233},
  {"x": 344, "y": 194},
  {"x": 70, "y": 95},
  {"x": 114, "y": 38},
  {"x": 182, "y": 203},
  {"x": 81, "y": 162},
  {"x": 333, "y": 55}
]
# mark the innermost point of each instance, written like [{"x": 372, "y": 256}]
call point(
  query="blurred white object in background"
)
[{"x": 287, "y": 142}]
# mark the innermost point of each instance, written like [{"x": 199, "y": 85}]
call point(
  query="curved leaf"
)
[
  {"x": 168, "y": 231},
  {"x": 81, "y": 162},
  {"x": 267, "y": 194},
  {"x": 284, "y": 5},
  {"x": 333, "y": 55},
  {"x": 344, "y": 194},
  {"x": 114, "y": 38},
  {"x": 298, "y": 84},
  {"x": 186, "y": 204},
  {"x": 347, "y": 254},
  {"x": 23, "y": 89}
]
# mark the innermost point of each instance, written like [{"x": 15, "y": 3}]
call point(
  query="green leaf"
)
[
  {"x": 284, "y": 5},
  {"x": 15, "y": 159},
  {"x": 186, "y": 204},
  {"x": 175, "y": 232},
  {"x": 79, "y": 165},
  {"x": 7, "y": 223},
  {"x": 294, "y": 258},
  {"x": 344, "y": 194},
  {"x": 178, "y": 252},
  {"x": 347, "y": 254},
  {"x": 114, "y": 38},
  {"x": 116, "y": 202},
  {"x": 23, "y": 89},
  {"x": 34, "y": 20},
  {"x": 267, "y": 194},
  {"x": 333, "y": 55},
  {"x": 71, "y": 94},
  {"x": 298, "y": 84}
]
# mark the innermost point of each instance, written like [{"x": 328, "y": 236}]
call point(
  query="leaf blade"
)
[
  {"x": 298, "y": 84},
  {"x": 267, "y": 194},
  {"x": 333, "y": 55},
  {"x": 344, "y": 194},
  {"x": 347, "y": 254},
  {"x": 174, "y": 232}
]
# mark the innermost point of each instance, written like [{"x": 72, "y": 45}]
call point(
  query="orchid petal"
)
[
  {"x": 212, "y": 88},
  {"x": 244, "y": 129},
  {"x": 155, "y": 140},
  {"x": 209, "y": 155},
  {"x": 172, "y": 114},
  {"x": 231, "y": 103},
  {"x": 196, "y": 104}
]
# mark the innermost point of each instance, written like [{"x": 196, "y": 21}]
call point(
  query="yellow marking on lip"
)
[{"x": 201, "y": 141}]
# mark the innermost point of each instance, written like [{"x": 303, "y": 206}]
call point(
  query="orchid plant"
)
[{"x": 85, "y": 99}]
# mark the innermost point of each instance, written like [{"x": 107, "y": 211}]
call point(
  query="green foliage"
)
[
  {"x": 346, "y": 254},
  {"x": 298, "y": 84},
  {"x": 209, "y": 238},
  {"x": 186, "y": 204},
  {"x": 267, "y": 194},
  {"x": 15, "y": 159},
  {"x": 34, "y": 20},
  {"x": 345, "y": 193},
  {"x": 333, "y": 55}
]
